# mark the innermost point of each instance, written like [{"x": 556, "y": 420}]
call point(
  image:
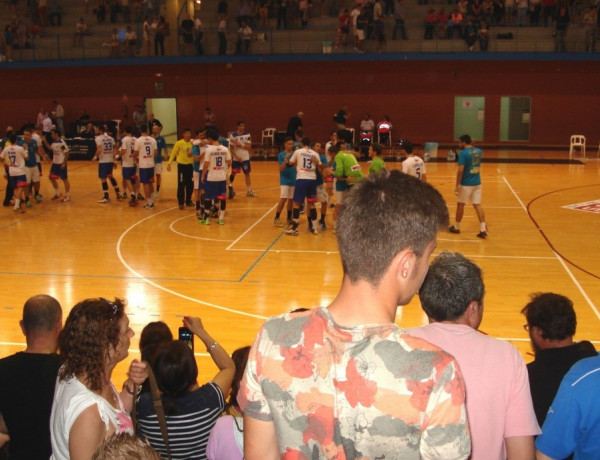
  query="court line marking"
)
[
  {"x": 559, "y": 258},
  {"x": 167, "y": 290},
  {"x": 186, "y": 235},
  {"x": 249, "y": 229}
]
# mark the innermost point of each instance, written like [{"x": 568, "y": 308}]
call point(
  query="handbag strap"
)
[{"x": 158, "y": 408}]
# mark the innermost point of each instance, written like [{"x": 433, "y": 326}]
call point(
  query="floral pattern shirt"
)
[{"x": 362, "y": 392}]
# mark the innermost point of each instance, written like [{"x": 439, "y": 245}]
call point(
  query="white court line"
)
[
  {"x": 162, "y": 288},
  {"x": 251, "y": 227},
  {"x": 560, "y": 259},
  {"x": 295, "y": 251},
  {"x": 185, "y": 235}
]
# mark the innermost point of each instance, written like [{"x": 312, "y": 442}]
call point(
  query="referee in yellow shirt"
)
[{"x": 182, "y": 151}]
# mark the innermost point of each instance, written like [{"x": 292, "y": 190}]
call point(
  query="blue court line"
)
[{"x": 264, "y": 253}]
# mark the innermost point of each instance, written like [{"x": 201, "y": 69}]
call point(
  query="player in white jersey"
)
[
  {"x": 307, "y": 162},
  {"x": 58, "y": 170},
  {"x": 15, "y": 156},
  {"x": 217, "y": 160},
  {"x": 128, "y": 165},
  {"x": 241, "y": 144},
  {"x": 145, "y": 150},
  {"x": 105, "y": 154},
  {"x": 414, "y": 164}
]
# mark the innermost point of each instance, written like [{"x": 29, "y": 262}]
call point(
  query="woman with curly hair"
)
[{"x": 87, "y": 407}]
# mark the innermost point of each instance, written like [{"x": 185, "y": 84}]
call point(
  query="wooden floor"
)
[{"x": 234, "y": 276}]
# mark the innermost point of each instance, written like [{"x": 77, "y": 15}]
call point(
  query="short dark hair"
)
[
  {"x": 465, "y": 138},
  {"x": 553, "y": 314},
  {"x": 41, "y": 313},
  {"x": 176, "y": 370},
  {"x": 451, "y": 284},
  {"x": 144, "y": 128},
  {"x": 287, "y": 139},
  {"x": 382, "y": 215},
  {"x": 306, "y": 141},
  {"x": 213, "y": 134},
  {"x": 128, "y": 129}
]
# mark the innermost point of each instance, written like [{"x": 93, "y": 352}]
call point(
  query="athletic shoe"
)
[
  {"x": 121, "y": 197},
  {"x": 124, "y": 195},
  {"x": 221, "y": 222},
  {"x": 277, "y": 222},
  {"x": 453, "y": 229},
  {"x": 156, "y": 195},
  {"x": 313, "y": 231},
  {"x": 149, "y": 206},
  {"x": 133, "y": 204},
  {"x": 482, "y": 234},
  {"x": 65, "y": 199},
  {"x": 289, "y": 225},
  {"x": 39, "y": 198},
  {"x": 56, "y": 197},
  {"x": 332, "y": 205},
  {"x": 104, "y": 200},
  {"x": 214, "y": 214},
  {"x": 322, "y": 225},
  {"x": 231, "y": 193},
  {"x": 189, "y": 203},
  {"x": 28, "y": 204},
  {"x": 204, "y": 221},
  {"x": 181, "y": 207},
  {"x": 18, "y": 210},
  {"x": 251, "y": 194},
  {"x": 141, "y": 197},
  {"x": 292, "y": 232}
]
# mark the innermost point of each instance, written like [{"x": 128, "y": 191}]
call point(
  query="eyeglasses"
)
[
  {"x": 112, "y": 304},
  {"x": 526, "y": 327}
]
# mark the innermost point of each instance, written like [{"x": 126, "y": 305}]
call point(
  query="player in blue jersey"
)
[
  {"x": 32, "y": 171},
  {"x": 163, "y": 154},
  {"x": 287, "y": 180},
  {"x": 468, "y": 184}
]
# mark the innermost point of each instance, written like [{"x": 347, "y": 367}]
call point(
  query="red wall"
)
[{"x": 417, "y": 95}]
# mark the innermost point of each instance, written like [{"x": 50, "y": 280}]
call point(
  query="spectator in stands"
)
[
  {"x": 226, "y": 440},
  {"x": 162, "y": 30},
  {"x": 42, "y": 11},
  {"x": 455, "y": 23},
  {"x": 522, "y": 12},
  {"x": 126, "y": 11},
  {"x": 379, "y": 30},
  {"x": 130, "y": 43},
  {"x": 441, "y": 24},
  {"x": 429, "y": 24},
  {"x": 147, "y": 35},
  {"x": 114, "y": 43},
  {"x": 551, "y": 324},
  {"x": 244, "y": 38},
  {"x": 470, "y": 35},
  {"x": 187, "y": 35},
  {"x": 187, "y": 406},
  {"x": 497, "y": 11},
  {"x": 294, "y": 123},
  {"x": 282, "y": 14},
  {"x": 483, "y": 35},
  {"x": 475, "y": 10},
  {"x": 560, "y": 30},
  {"x": 9, "y": 39},
  {"x": 252, "y": 13},
  {"x": 303, "y": 7},
  {"x": 548, "y": 7},
  {"x": 501, "y": 417},
  {"x": 198, "y": 35},
  {"x": 362, "y": 23},
  {"x": 263, "y": 11},
  {"x": 81, "y": 29},
  {"x": 28, "y": 379},
  {"x": 101, "y": 11},
  {"x": 222, "y": 35},
  {"x": 590, "y": 27},
  {"x": 55, "y": 13},
  {"x": 241, "y": 13},
  {"x": 399, "y": 21}
]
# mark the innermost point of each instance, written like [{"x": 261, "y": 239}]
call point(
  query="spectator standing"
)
[
  {"x": 548, "y": 7},
  {"x": 80, "y": 30},
  {"x": 187, "y": 35},
  {"x": 198, "y": 35},
  {"x": 560, "y": 32},
  {"x": 282, "y": 14},
  {"x": 222, "y": 35},
  {"x": 295, "y": 123},
  {"x": 60, "y": 117},
  {"x": 55, "y": 13},
  {"x": 590, "y": 27},
  {"x": 162, "y": 30},
  {"x": 483, "y": 35},
  {"x": 399, "y": 21},
  {"x": 501, "y": 417},
  {"x": 342, "y": 365},
  {"x": 429, "y": 24},
  {"x": 130, "y": 47},
  {"x": 551, "y": 324},
  {"x": 28, "y": 379}
]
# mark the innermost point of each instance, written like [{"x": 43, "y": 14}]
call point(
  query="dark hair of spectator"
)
[{"x": 553, "y": 314}]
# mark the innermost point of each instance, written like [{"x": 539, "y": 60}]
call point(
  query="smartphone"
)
[{"x": 185, "y": 335}]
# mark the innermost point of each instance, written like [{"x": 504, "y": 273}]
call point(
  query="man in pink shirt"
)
[{"x": 499, "y": 408}]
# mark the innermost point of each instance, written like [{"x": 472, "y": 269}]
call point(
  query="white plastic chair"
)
[
  {"x": 577, "y": 140},
  {"x": 268, "y": 134},
  {"x": 389, "y": 139}
]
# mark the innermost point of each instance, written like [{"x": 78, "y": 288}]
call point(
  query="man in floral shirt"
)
[{"x": 345, "y": 382}]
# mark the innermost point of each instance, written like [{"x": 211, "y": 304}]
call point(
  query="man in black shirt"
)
[
  {"x": 551, "y": 323},
  {"x": 27, "y": 381}
]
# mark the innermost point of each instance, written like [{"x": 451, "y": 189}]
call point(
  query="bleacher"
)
[{"x": 319, "y": 38}]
